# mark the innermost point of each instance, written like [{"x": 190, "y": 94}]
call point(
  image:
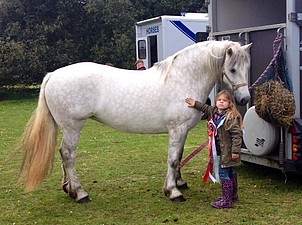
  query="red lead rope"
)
[{"x": 189, "y": 157}]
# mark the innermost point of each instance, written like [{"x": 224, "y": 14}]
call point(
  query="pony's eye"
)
[{"x": 232, "y": 70}]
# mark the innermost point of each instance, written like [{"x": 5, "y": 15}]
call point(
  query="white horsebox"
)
[
  {"x": 162, "y": 36},
  {"x": 260, "y": 22}
]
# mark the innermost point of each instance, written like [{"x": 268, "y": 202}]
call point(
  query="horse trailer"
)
[
  {"x": 159, "y": 37},
  {"x": 261, "y": 22}
]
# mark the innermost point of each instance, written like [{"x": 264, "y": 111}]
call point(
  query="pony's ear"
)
[
  {"x": 230, "y": 51},
  {"x": 246, "y": 47}
]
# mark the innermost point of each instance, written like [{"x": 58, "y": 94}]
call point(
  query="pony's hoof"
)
[
  {"x": 183, "y": 187},
  {"x": 84, "y": 200},
  {"x": 179, "y": 199}
]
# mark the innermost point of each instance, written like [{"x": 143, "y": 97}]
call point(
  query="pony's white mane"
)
[
  {"x": 165, "y": 65},
  {"x": 212, "y": 56}
]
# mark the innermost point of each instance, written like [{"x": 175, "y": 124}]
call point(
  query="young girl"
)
[{"x": 225, "y": 124}]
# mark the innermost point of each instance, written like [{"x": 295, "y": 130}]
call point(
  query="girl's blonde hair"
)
[{"x": 232, "y": 111}]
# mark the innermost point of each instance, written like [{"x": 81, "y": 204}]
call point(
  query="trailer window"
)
[
  {"x": 201, "y": 36},
  {"x": 142, "y": 49}
]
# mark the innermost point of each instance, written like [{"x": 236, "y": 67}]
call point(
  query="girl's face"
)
[{"x": 222, "y": 103}]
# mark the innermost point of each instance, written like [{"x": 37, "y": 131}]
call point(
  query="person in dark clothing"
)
[{"x": 140, "y": 65}]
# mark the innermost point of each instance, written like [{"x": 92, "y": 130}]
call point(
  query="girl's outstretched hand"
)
[{"x": 190, "y": 101}]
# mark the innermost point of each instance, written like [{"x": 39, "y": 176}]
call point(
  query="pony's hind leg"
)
[
  {"x": 70, "y": 182},
  {"x": 65, "y": 181}
]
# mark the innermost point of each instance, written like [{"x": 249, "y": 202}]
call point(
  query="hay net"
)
[{"x": 274, "y": 100}]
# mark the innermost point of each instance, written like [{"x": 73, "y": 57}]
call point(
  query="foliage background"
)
[{"x": 38, "y": 36}]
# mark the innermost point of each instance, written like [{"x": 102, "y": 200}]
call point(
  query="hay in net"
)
[{"x": 274, "y": 103}]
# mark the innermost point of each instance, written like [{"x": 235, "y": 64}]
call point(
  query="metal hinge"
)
[
  {"x": 292, "y": 17},
  {"x": 295, "y": 17}
]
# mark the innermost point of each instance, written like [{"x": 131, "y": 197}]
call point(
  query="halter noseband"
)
[{"x": 234, "y": 86}]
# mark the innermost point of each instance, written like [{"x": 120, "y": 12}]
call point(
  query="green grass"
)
[{"x": 124, "y": 175}]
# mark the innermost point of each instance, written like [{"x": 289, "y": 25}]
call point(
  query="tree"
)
[
  {"x": 47, "y": 33},
  {"x": 38, "y": 36},
  {"x": 114, "y": 26}
]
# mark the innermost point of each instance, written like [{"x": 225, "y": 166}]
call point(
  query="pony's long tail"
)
[{"x": 38, "y": 143}]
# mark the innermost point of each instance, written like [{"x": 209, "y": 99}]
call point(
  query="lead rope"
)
[{"x": 194, "y": 153}]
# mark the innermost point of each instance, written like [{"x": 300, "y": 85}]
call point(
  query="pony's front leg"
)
[
  {"x": 70, "y": 182},
  {"x": 180, "y": 183},
  {"x": 177, "y": 139}
]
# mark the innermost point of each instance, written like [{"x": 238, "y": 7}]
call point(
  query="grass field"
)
[{"x": 124, "y": 175}]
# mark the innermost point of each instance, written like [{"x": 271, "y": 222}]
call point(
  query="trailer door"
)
[
  {"x": 152, "y": 47},
  {"x": 147, "y": 50}
]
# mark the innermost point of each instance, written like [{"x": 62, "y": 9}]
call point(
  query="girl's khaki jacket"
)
[{"x": 230, "y": 140}]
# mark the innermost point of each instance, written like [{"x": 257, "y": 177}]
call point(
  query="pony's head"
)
[{"x": 235, "y": 71}]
